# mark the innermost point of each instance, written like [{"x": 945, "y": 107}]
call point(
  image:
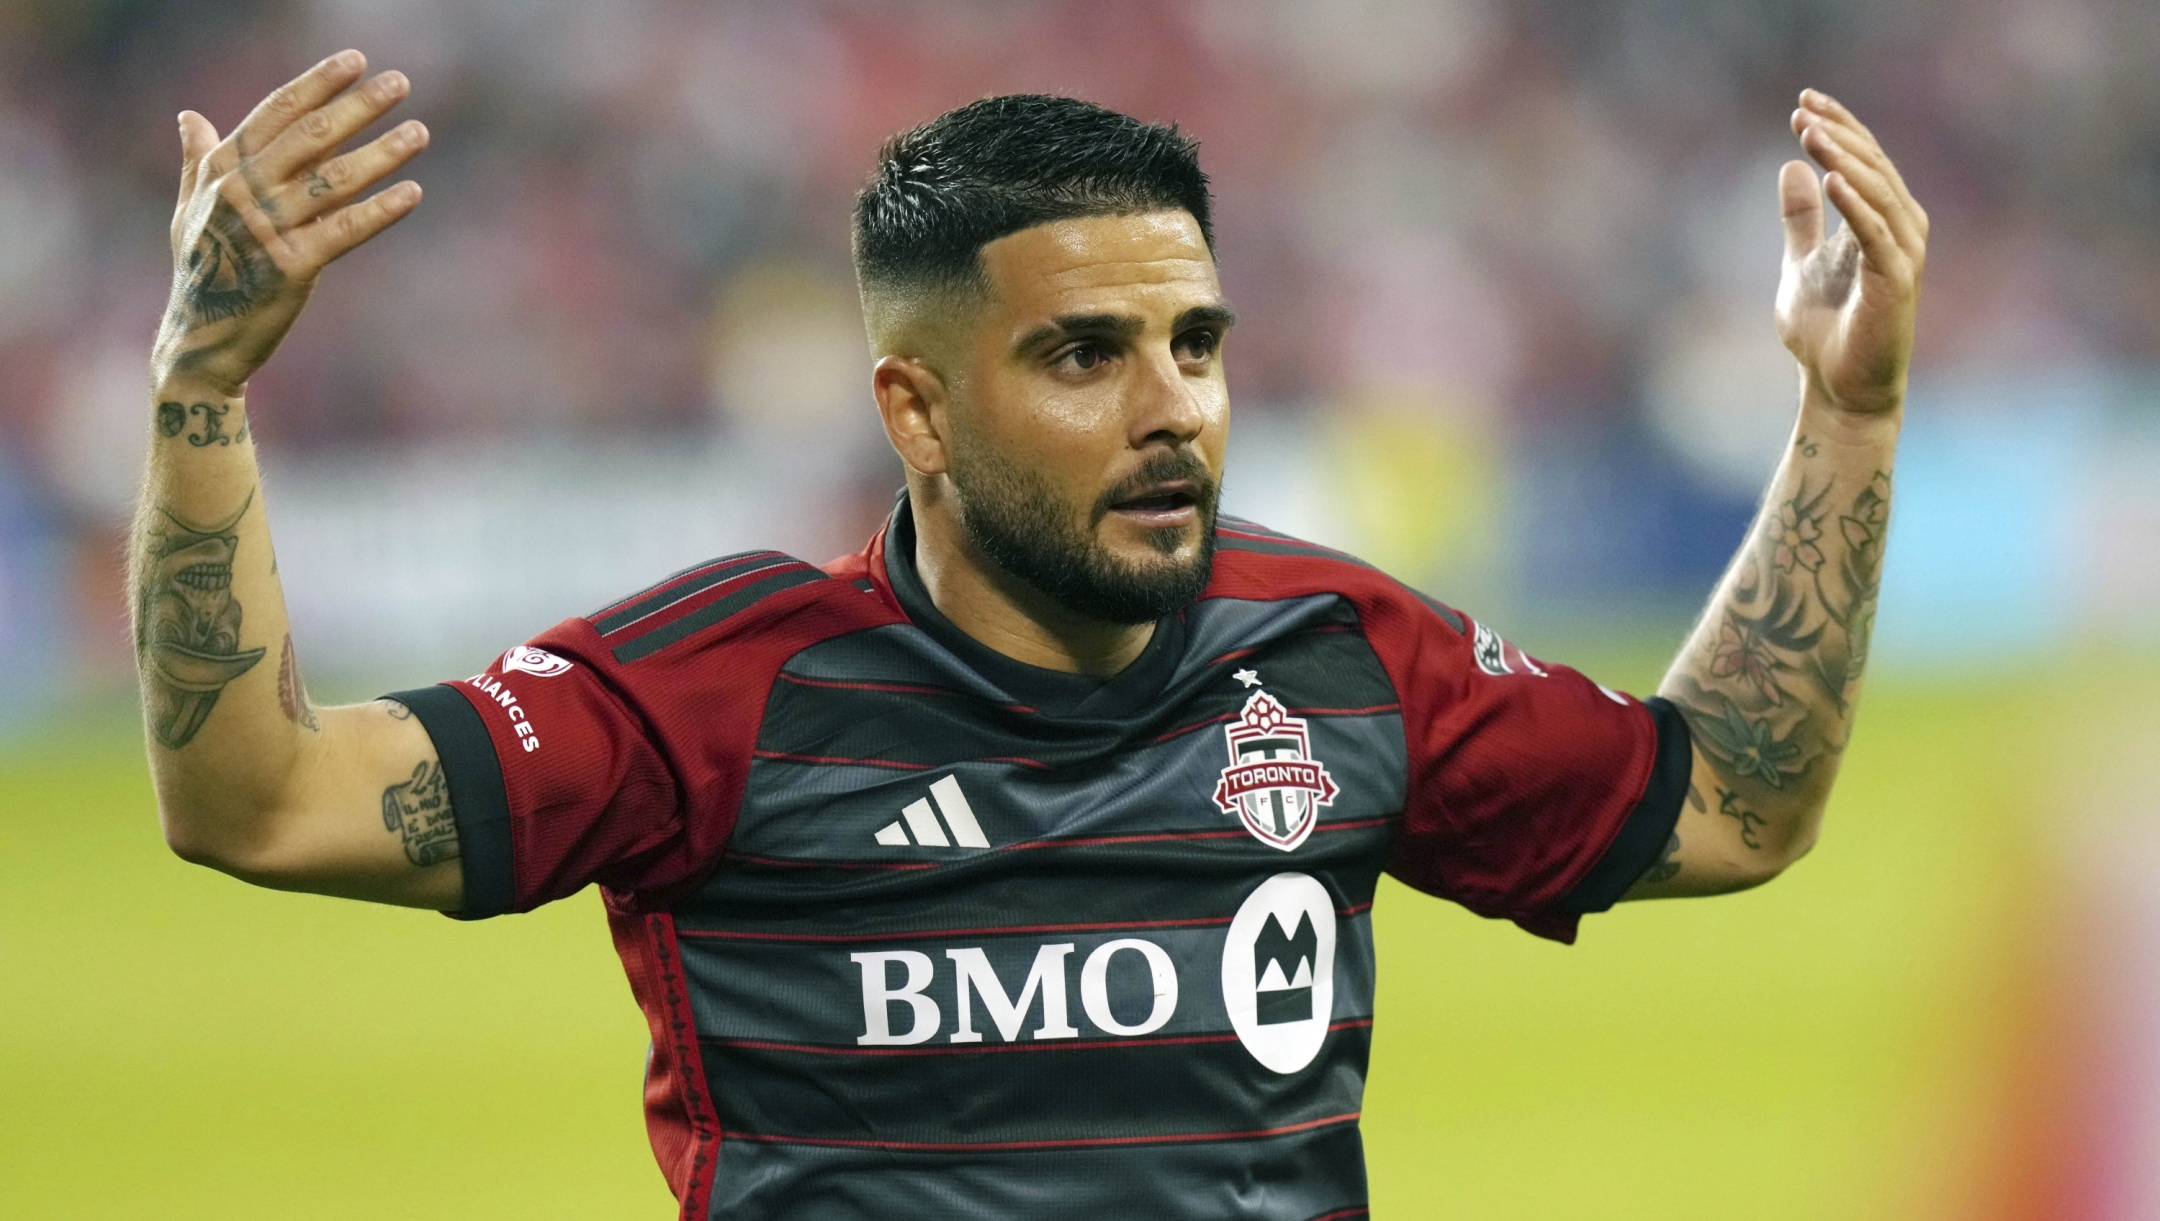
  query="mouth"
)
[{"x": 1161, "y": 505}]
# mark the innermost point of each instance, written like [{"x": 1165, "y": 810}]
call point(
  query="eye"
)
[
  {"x": 1084, "y": 357},
  {"x": 1197, "y": 345}
]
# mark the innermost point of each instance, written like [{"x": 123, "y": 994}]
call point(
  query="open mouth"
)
[{"x": 1161, "y": 504}]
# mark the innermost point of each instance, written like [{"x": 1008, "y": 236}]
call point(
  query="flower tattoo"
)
[
  {"x": 1741, "y": 652},
  {"x": 1795, "y": 537}
]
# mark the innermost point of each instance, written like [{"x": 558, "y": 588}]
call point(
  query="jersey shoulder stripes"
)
[{"x": 653, "y": 703}]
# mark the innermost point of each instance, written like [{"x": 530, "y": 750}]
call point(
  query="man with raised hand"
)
[{"x": 1021, "y": 864}]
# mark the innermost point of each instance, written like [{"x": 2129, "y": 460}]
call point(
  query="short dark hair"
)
[{"x": 946, "y": 189}]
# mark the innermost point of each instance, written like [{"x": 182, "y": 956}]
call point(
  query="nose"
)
[{"x": 1169, "y": 406}]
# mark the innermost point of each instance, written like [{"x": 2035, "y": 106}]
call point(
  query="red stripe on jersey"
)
[
  {"x": 1089, "y": 1142},
  {"x": 916, "y": 935},
  {"x": 1157, "y": 837},
  {"x": 778, "y": 863},
  {"x": 929, "y": 934},
  {"x": 972, "y": 1049},
  {"x": 680, "y": 1119},
  {"x": 976, "y": 1049},
  {"x": 790, "y": 758},
  {"x": 1182, "y": 730},
  {"x": 899, "y": 688}
]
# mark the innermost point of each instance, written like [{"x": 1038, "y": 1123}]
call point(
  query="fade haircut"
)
[{"x": 946, "y": 189}]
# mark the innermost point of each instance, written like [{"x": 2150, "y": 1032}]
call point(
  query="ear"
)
[{"x": 911, "y": 399}]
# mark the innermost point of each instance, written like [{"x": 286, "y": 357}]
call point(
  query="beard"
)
[{"x": 1011, "y": 517}]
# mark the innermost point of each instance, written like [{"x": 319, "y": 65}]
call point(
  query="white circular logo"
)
[
  {"x": 533, "y": 660},
  {"x": 1278, "y": 971}
]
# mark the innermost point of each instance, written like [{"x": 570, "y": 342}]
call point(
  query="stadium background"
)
[{"x": 1505, "y": 272}]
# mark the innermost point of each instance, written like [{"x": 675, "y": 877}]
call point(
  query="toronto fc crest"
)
[{"x": 1273, "y": 783}]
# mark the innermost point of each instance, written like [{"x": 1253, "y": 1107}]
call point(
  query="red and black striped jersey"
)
[{"x": 922, "y": 931}]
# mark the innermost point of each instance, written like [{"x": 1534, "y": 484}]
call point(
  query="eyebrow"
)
[{"x": 1124, "y": 326}]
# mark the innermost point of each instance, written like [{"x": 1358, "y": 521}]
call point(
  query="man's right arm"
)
[{"x": 252, "y": 778}]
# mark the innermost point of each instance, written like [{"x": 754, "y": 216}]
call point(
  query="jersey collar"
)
[{"x": 1052, "y": 692}]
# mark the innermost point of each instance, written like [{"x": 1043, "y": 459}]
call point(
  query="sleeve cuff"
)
[
  {"x": 477, "y": 799},
  {"x": 1642, "y": 839}
]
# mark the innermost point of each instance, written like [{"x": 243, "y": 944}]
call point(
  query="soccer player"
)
[{"x": 1021, "y": 864}]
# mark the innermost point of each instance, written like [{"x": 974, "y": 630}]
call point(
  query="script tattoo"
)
[
  {"x": 291, "y": 694},
  {"x": 187, "y": 622},
  {"x": 418, "y": 812},
  {"x": 227, "y": 273},
  {"x": 1790, "y": 642},
  {"x": 1729, "y": 806},
  {"x": 171, "y": 418},
  {"x": 213, "y": 425}
]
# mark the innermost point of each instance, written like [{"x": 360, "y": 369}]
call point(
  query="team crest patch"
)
[
  {"x": 1491, "y": 653},
  {"x": 530, "y": 660},
  {"x": 1273, "y": 783}
]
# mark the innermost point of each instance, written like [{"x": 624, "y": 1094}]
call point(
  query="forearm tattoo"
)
[
  {"x": 418, "y": 812},
  {"x": 187, "y": 622},
  {"x": 1770, "y": 698}
]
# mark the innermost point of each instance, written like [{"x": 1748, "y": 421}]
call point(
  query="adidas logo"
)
[{"x": 920, "y": 819}]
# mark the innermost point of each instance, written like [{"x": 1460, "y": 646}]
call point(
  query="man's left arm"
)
[{"x": 1768, "y": 680}]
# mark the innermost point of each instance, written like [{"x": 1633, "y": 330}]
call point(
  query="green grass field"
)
[{"x": 179, "y": 1045}]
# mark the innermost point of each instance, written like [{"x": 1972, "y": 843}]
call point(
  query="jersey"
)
[{"x": 921, "y": 931}]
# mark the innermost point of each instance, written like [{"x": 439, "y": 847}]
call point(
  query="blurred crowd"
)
[{"x": 1468, "y": 235}]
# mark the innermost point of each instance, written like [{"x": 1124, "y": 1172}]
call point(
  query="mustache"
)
[{"x": 1171, "y": 467}]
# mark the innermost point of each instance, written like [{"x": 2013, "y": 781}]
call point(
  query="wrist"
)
[
  {"x": 180, "y": 388},
  {"x": 1823, "y": 418}
]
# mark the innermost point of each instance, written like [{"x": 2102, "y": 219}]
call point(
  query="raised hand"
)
[
  {"x": 1845, "y": 306},
  {"x": 264, "y": 210}
]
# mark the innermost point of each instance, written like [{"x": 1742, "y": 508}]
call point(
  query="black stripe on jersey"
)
[
  {"x": 1641, "y": 840},
  {"x": 1314, "y": 1175},
  {"x": 1246, "y": 526},
  {"x": 792, "y": 573},
  {"x": 929, "y": 724},
  {"x": 759, "y": 898},
  {"x": 1226, "y": 541},
  {"x": 1109, "y": 1091},
  {"x": 1447, "y": 615},
  {"x": 477, "y": 801},
  {"x": 667, "y": 593}
]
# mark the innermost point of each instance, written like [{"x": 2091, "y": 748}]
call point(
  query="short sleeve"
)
[
  {"x": 554, "y": 780},
  {"x": 1535, "y": 794}
]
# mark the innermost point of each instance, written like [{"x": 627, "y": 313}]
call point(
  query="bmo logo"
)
[
  {"x": 975, "y": 980},
  {"x": 1278, "y": 971},
  {"x": 1277, "y": 976}
]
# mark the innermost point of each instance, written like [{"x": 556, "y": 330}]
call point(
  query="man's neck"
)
[{"x": 1008, "y": 615}]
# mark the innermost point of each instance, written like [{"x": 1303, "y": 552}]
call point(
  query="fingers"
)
[
  {"x": 1800, "y": 203},
  {"x": 295, "y": 98},
  {"x": 1878, "y": 245},
  {"x": 321, "y": 241},
  {"x": 1821, "y": 113},
  {"x": 197, "y": 138},
  {"x": 306, "y": 139},
  {"x": 1833, "y": 155},
  {"x": 337, "y": 180},
  {"x": 1859, "y": 141}
]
